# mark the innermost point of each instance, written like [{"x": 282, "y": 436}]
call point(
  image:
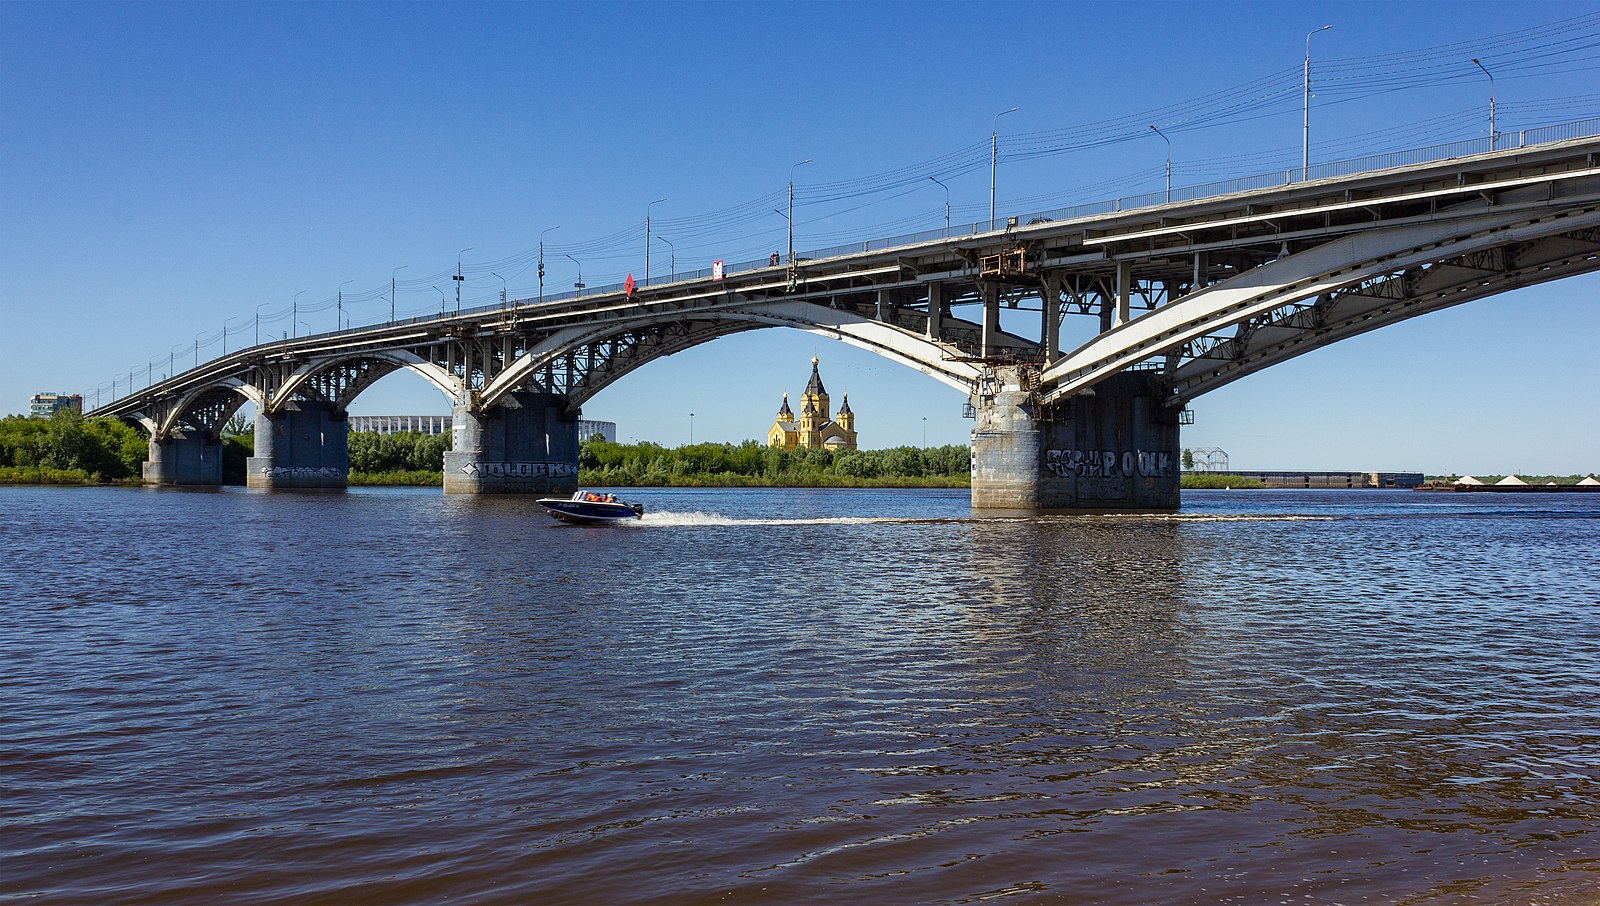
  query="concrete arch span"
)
[
  {"x": 1323, "y": 271},
  {"x": 615, "y": 349},
  {"x": 339, "y": 379}
]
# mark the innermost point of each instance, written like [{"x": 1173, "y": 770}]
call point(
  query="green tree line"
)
[
  {"x": 601, "y": 462},
  {"x": 68, "y": 448}
]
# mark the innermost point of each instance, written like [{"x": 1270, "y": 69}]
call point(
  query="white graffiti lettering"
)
[
  {"x": 521, "y": 469},
  {"x": 302, "y": 472}
]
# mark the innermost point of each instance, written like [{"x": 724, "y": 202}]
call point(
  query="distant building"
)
[
  {"x": 440, "y": 424},
  {"x": 815, "y": 429},
  {"x": 44, "y": 405},
  {"x": 1333, "y": 479}
]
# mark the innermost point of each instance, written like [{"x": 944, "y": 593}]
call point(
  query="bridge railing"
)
[{"x": 1524, "y": 138}]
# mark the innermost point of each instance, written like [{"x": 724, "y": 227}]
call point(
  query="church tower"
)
[{"x": 815, "y": 429}]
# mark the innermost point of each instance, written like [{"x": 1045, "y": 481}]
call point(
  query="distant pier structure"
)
[
  {"x": 440, "y": 424},
  {"x": 1334, "y": 479}
]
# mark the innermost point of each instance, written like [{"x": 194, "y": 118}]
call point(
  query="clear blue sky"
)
[{"x": 167, "y": 166}]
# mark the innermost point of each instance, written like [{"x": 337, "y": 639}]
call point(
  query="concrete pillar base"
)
[
  {"x": 1114, "y": 451},
  {"x": 303, "y": 447},
  {"x": 185, "y": 460},
  {"x": 526, "y": 445}
]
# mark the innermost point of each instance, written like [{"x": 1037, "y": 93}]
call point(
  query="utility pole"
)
[
  {"x": 1305, "y": 147},
  {"x": 674, "y": 258},
  {"x": 1169, "y": 160},
  {"x": 1492, "y": 133},
  {"x": 458, "y": 278},
  {"x": 578, "y": 284},
  {"x": 294, "y": 312},
  {"x": 258, "y": 321},
  {"x": 541, "y": 260},
  {"x": 647, "y": 239},
  {"x": 338, "y": 317},
  {"x": 994, "y": 157},
  {"x": 946, "y": 206},
  {"x": 791, "y": 213},
  {"x": 391, "y": 290}
]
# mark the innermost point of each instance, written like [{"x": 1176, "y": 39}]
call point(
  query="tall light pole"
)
[
  {"x": 541, "y": 260},
  {"x": 258, "y": 322},
  {"x": 1169, "y": 160},
  {"x": 946, "y": 207},
  {"x": 444, "y": 303},
  {"x": 647, "y": 239},
  {"x": 225, "y": 335},
  {"x": 502, "y": 288},
  {"x": 1492, "y": 133},
  {"x": 294, "y": 311},
  {"x": 391, "y": 290},
  {"x": 338, "y": 315},
  {"x": 691, "y": 429},
  {"x": 197, "y": 348},
  {"x": 994, "y": 157},
  {"x": 578, "y": 284},
  {"x": 172, "y": 358},
  {"x": 673, "y": 267},
  {"x": 924, "y": 432},
  {"x": 458, "y": 278},
  {"x": 1305, "y": 146},
  {"x": 791, "y": 208}
]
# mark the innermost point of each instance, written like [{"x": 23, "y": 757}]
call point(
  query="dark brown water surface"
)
[{"x": 798, "y": 696}]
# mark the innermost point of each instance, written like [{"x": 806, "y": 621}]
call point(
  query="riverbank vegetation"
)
[
  {"x": 69, "y": 449},
  {"x": 1193, "y": 481},
  {"x": 753, "y": 464}
]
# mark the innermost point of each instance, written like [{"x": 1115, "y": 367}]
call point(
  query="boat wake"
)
[{"x": 672, "y": 518}]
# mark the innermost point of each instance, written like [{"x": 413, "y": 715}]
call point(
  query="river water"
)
[{"x": 798, "y": 696}]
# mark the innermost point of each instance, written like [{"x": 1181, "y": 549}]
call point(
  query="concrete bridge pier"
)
[
  {"x": 303, "y": 446},
  {"x": 1114, "y": 451},
  {"x": 528, "y": 444},
  {"x": 185, "y": 457}
]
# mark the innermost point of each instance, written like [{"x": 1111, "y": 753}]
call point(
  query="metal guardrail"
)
[{"x": 1524, "y": 138}]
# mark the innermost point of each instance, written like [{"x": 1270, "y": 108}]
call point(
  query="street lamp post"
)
[
  {"x": 1169, "y": 160},
  {"x": 444, "y": 302},
  {"x": 1492, "y": 133},
  {"x": 673, "y": 266},
  {"x": 294, "y": 310},
  {"x": 1305, "y": 146},
  {"x": 994, "y": 157},
  {"x": 391, "y": 290},
  {"x": 338, "y": 315},
  {"x": 541, "y": 260},
  {"x": 924, "y": 432},
  {"x": 225, "y": 335},
  {"x": 946, "y": 206},
  {"x": 791, "y": 208},
  {"x": 172, "y": 358},
  {"x": 502, "y": 288},
  {"x": 647, "y": 239},
  {"x": 458, "y": 278},
  {"x": 197, "y": 348},
  {"x": 578, "y": 284},
  {"x": 691, "y": 429}
]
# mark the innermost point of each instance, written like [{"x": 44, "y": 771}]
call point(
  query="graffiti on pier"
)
[
  {"x": 303, "y": 472},
  {"x": 1110, "y": 463},
  {"x": 521, "y": 469}
]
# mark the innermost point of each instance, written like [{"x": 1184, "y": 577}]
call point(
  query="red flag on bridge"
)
[{"x": 627, "y": 285}]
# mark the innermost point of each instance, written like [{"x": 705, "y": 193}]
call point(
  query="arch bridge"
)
[{"x": 1174, "y": 299}]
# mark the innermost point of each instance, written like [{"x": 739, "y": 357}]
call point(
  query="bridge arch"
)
[
  {"x": 339, "y": 379},
  {"x": 625, "y": 347}
]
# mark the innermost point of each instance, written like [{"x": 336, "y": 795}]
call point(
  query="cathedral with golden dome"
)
[{"x": 815, "y": 429}]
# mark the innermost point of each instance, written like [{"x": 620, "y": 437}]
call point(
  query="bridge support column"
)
[
  {"x": 1114, "y": 451},
  {"x": 528, "y": 444},
  {"x": 187, "y": 458},
  {"x": 304, "y": 446}
]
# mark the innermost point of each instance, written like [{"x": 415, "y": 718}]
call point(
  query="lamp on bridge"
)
[
  {"x": 994, "y": 157},
  {"x": 225, "y": 335},
  {"x": 673, "y": 266},
  {"x": 790, "y": 215},
  {"x": 1305, "y": 147},
  {"x": 1486, "y": 72},
  {"x": 579, "y": 282},
  {"x": 294, "y": 313},
  {"x": 1169, "y": 160},
  {"x": 258, "y": 321},
  {"x": 338, "y": 314},
  {"x": 946, "y": 206}
]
